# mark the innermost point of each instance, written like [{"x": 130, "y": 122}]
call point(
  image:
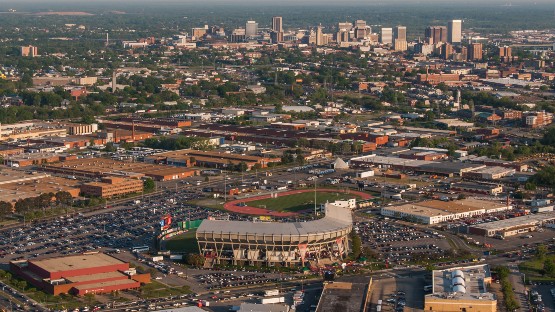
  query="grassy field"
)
[
  {"x": 532, "y": 269},
  {"x": 298, "y": 202},
  {"x": 183, "y": 243}
]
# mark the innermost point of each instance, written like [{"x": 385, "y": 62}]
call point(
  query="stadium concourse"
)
[{"x": 238, "y": 205}]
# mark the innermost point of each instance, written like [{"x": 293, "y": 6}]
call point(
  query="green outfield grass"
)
[
  {"x": 298, "y": 202},
  {"x": 185, "y": 243}
]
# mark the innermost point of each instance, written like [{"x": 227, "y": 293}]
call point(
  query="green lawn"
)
[
  {"x": 532, "y": 268},
  {"x": 298, "y": 202},
  {"x": 184, "y": 243}
]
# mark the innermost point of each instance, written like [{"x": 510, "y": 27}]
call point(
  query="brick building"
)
[
  {"x": 112, "y": 186},
  {"x": 79, "y": 275}
]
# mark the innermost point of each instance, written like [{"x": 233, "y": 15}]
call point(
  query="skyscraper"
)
[
  {"x": 277, "y": 24},
  {"x": 361, "y": 29},
  {"x": 343, "y": 30},
  {"x": 276, "y": 34},
  {"x": 454, "y": 32},
  {"x": 400, "y": 38},
  {"x": 436, "y": 34},
  {"x": 319, "y": 36},
  {"x": 400, "y": 33},
  {"x": 386, "y": 36},
  {"x": 251, "y": 29}
]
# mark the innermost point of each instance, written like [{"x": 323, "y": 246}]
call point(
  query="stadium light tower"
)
[{"x": 315, "y": 196}]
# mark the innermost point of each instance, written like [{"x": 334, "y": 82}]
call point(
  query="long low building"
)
[
  {"x": 446, "y": 168},
  {"x": 436, "y": 211},
  {"x": 274, "y": 242},
  {"x": 461, "y": 289},
  {"x": 513, "y": 226},
  {"x": 190, "y": 157},
  {"x": 102, "y": 167},
  {"x": 79, "y": 274}
]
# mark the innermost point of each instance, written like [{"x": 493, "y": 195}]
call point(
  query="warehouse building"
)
[
  {"x": 514, "y": 226},
  {"x": 101, "y": 167},
  {"x": 435, "y": 211},
  {"x": 79, "y": 275},
  {"x": 16, "y": 185},
  {"x": 189, "y": 157},
  {"x": 487, "y": 189},
  {"x": 489, "y": 173},
  {"x": 461, "y": 289}
]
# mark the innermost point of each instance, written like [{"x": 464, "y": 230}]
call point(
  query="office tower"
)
[
  {"x": 276, "y": 34},
  {"x": 386, "y": 36},
  {"x": 238, "y": 35},
  {"x": 319, "y": 36},
  {"x": 400, "y": 45},
  {"x": 400, "y": 33},
  {"x": 400, "y": 38},
  {"x": 436, "y": 34},
  {"x": 475, "y": 52},
  {"x": 31, "y": 51},
  {"x": 251, "y": 29},
  {"x": 343, "y": 32},
  {"x": 361, "y": 29},
  {"x": 454, "y": 32},
  {"x": 277, "y": 24},
  {"x": 276, "y": 37}
]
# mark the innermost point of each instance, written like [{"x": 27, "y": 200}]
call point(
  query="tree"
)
[
  {"x": 356, "y": 244},
  {"x": 549, "y": 267},
  {"x": 195, "y": 259},
  {"x": 5, "y": 209},
  {"x": 64, "y": 198},
  {"x": 541, "y": 251},
  {"x": 149, "y": 185}
]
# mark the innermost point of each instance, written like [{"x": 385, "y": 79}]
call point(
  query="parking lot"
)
[
  {"x": 398, "y": 294},
  {"x": 399, "y": 243}
]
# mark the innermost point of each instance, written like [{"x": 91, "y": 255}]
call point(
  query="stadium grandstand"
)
[{"x": 270, "y": 243}]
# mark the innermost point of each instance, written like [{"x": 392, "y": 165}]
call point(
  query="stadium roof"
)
[{"x": 336, "y": 218}]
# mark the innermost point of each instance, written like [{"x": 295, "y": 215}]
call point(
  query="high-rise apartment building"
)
[
  {"x": 251, "y": 29},
  {"x": 454, "y": 32},
  {"x": 475, "y": 52},
  {"x": 29, "y": 51},
  {"x": 436, "y": 34},
  {"x": 446, "y": 51},
  {"x": 386, "y": 36},
  {"x": 505, "y": 54}
]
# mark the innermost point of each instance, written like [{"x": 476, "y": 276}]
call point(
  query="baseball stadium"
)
[{"x": 272, "y": 243}]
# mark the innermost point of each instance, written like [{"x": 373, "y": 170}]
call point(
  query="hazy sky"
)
[{"x": 278, "y": 2}]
